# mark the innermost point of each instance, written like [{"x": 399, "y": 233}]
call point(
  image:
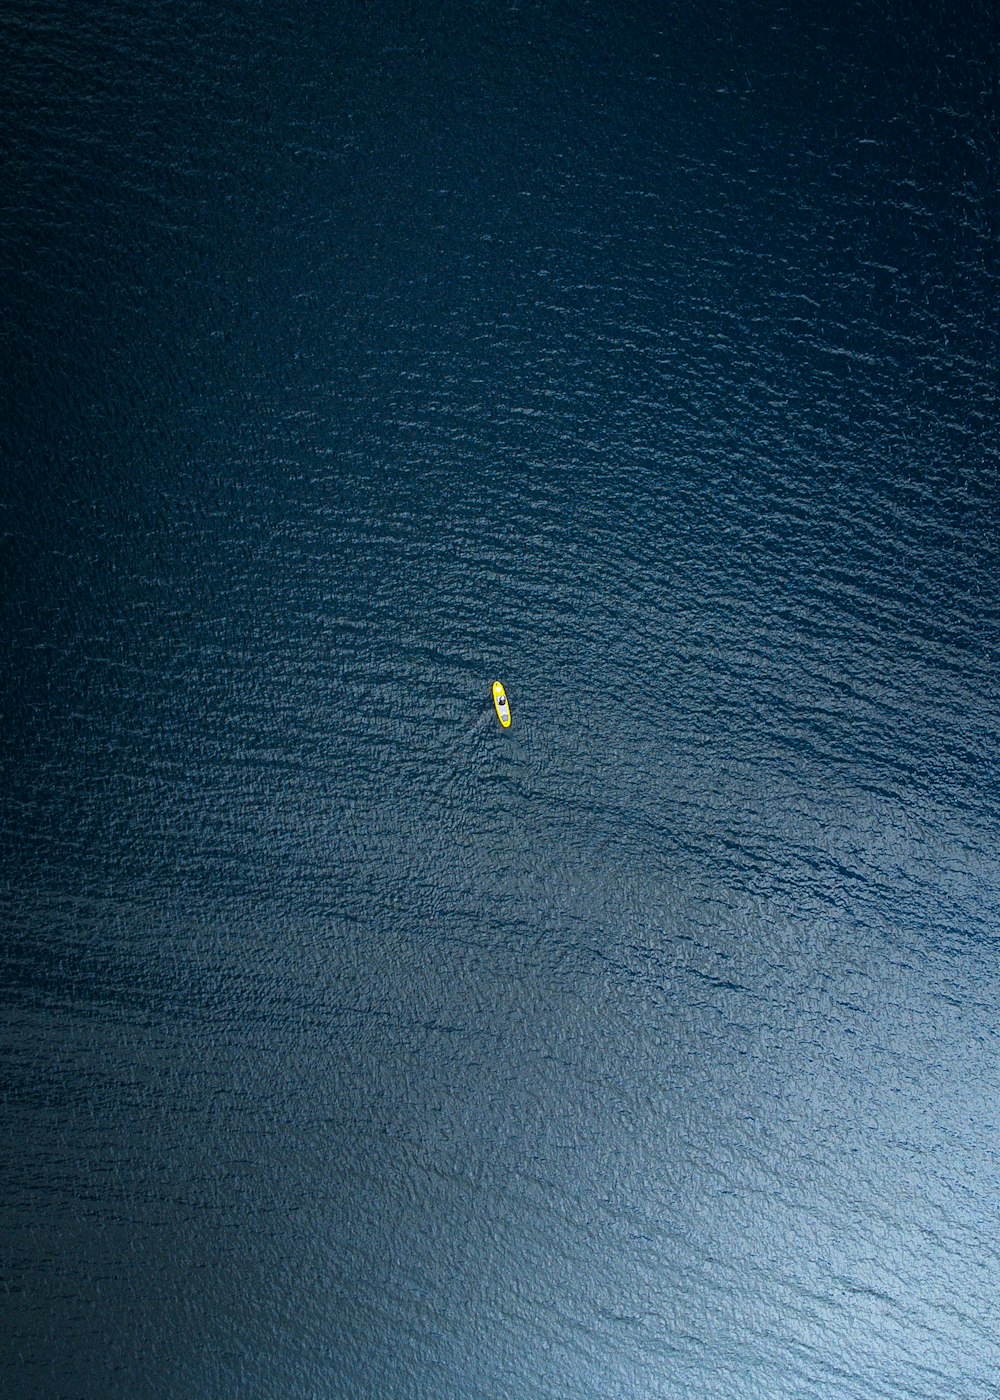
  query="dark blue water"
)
[{"x": 353, "y": 357}]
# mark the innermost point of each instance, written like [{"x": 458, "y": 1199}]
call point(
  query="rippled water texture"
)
[{"x": 353, "y": 1046}]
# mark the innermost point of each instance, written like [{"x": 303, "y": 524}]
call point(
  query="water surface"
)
[{"x": 353, "y": 1046}]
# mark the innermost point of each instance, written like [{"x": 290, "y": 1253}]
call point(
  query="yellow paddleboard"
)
[{"x": 500, "y": 701}]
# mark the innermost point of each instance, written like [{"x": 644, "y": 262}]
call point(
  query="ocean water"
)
[{"x": 352, "y": 1046}]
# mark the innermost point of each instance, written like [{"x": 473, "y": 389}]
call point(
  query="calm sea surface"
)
[{"x": 355, "y": 356}]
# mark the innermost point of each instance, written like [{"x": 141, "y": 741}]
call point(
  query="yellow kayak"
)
[{"x": 500, "y": 701}]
